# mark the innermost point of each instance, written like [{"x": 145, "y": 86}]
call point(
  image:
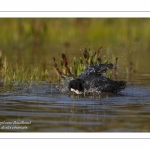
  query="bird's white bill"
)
[{"x": 76, "y": 91}]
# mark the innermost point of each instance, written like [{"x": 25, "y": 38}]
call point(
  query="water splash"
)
[
  {"x": 93, "y": 90},
  {"x": 64, "y": 84}
]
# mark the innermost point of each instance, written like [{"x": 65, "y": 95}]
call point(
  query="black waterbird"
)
[{"x": 93, "y": 79}]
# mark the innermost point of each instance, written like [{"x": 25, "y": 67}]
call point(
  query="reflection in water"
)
[{"x": 52, "y": 111}]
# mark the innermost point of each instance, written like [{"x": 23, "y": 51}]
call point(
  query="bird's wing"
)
[
  {"x": 107, "y": 85},
  {"x": 100, "y": 68},
  {"x": 97, "y": 69}
]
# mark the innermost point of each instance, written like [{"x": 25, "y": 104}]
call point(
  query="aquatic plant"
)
[
  {"x": 15, "y": 74},
  {"x": 89, "y": 57}
]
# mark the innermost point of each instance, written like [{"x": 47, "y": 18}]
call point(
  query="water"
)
[
  {"x": 45, "y": 109},
  {"x": 32, "y": 44}
]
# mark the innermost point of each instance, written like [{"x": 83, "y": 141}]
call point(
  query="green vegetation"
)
[
  {"x": 19, "y": 73},
  {"x": 90, "y": 57},
  {"x": 20, "y": 32},
  {"x": 27, "y": 45}
]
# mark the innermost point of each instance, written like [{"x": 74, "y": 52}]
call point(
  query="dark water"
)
[{"x": 44, "y": 109}]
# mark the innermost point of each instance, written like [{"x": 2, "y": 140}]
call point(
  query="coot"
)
[{"x": 93, "y": 79}]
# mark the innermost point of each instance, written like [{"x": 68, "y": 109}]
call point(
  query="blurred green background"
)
[
  {"x": 33, "y": 42},
  {"x": 107, "y": 31}
]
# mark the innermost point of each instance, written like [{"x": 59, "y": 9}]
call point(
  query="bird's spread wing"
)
[
  {"x": 100, "y": 68},
  {"x": 95, "y": 70}
]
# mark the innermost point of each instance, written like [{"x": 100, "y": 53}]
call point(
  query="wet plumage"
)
[{"x": 92, "y": 79}]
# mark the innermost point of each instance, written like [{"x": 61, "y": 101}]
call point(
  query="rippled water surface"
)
[
  {"x": 43, "y": 108},
  {"x": 28, "y": 48}
]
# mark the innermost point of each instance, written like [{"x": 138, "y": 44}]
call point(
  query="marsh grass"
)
[
  {"x": 14, "y": 75},
  {"x": 89, "y": 57}
]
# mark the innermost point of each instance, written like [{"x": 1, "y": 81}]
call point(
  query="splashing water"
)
[
  {"x": 64, "y": 84},
  {"x": 93, "y": 90},
  {"x": 63, "y": 88}
]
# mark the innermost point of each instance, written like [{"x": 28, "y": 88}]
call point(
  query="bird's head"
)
[{"x": 76, "y": 86}]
